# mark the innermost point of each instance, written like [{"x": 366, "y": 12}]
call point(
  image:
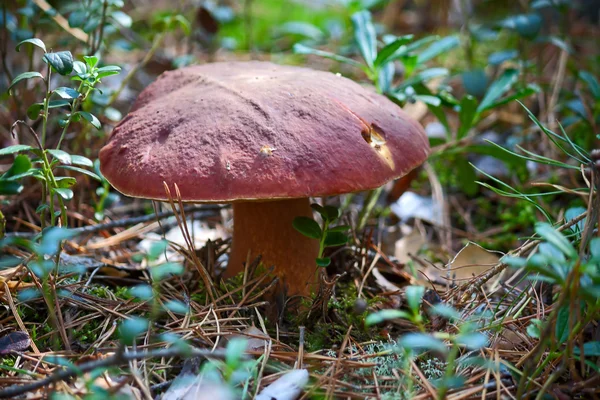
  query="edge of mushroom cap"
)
[{"x": 417, "y": 159}]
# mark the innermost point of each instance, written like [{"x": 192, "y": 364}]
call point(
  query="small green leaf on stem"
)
[
  {"x": 23, "y": 76},
  {"x": 335, "y": 239},
  {"x": 61, "y": 62},
  {"x": 17, "y": 148},
  {"x": 66, "y": 92},
  {"x": 323, "y": 262},
  {"x": 60, "y": 155},
  {"x": 308, "y": 227},
  {"x": 385, "y": 315},
  {"x": 65, "y": 193},
  {"x": 91, "y": 118},
  {"x": 34, "y": 41},
  {"x": 132, "y": 328},
  {"x": 364, "y": 34}
]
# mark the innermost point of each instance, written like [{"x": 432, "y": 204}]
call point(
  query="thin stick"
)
[{"x": 118, "y": 359}]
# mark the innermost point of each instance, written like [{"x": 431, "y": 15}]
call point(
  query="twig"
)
[
  {"x": 96, "y": 46},
  {"x": 205, "y": 210},
  {"x": 118, "y": 359},
  {"x": 61, "y": 21}
]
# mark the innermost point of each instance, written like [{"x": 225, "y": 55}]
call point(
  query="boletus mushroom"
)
[{"x": 265, "y": 138}]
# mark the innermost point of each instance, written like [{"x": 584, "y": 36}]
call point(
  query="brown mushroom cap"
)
[{"x": 237, "y": 131}]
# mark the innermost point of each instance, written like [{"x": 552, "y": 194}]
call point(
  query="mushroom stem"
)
[{"x": 265, "y": 228}]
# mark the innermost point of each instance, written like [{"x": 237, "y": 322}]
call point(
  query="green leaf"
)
[
  {"x": 91, "y": 61},
  {"x": 547, "y": 232},
  {"x": 65, "y": 181},
  {"x": 157, "y": 249},
  {"x": 10, "y": 188},
  {"x": 302, "y": 49},
  {"x": 339, "y": 228},
  {"x": 590, "y": 349},
  {"x": 475, "y": 82},
  {"x": 365, "y": 36},
  {"x": 108, "y": 71},
  {"x": 385, "y": 315},
  {"x": 414, "y": 297},
  {"x": 58, "y": 103},
  {"x": 308, "y": 227},
  {"x": 66, "y": 92},
  {"x": 176, "y": 306},
  {"x": 33, "y": 111},
  {"x": 60, "y": 155},
  {"x": 499, "y": 57},
  {"x": 80, "y": 68},
  {"x": 422, "y": 341},
  {"x": 562, "y": 324},
  {"x": 526, "y": 25},
  {"x": 91, "y": 24},
  {"x": 445, "y": 311},
  {"x": 387, "y": 52},
  {"x": 323, "y": 262},
  {"x": 20, "y": 165},
  {"x": 183, "y": 23},
  {"x": 34, "y": 172},
  {"x": 17, "y": 148},
  {"x": 122, "y": 19},
  {"x": 534, "y": 329},
  {"x": 23, "y": 76},
  {"x": 91, "y": 118},
  {"x": 236, "y": 347},
  {"x": 468, "y": 111},
  {"x": 131, "y": 328},
  {"x": 142, "y": 292},
  {"x": 335, "y": 239},
  {"x": 163, "y": 271},
  {"x": 438, "y": 47},
  {"x": 386, "y": 77},
  {"x": 592, "y": 83},
  {"x": 331, "y": 213},
  {"x": 65, "y": 193},
  {"x": 81, "y": 160},
  {"x": 498, "y": 88},
  {"x": 81, "y": 171},
  {"x": 34, "y": 41},
  {"x": 422, "y": 77},
  {"x": 595, "y": 247},
  {"x": 77, "y": 18},
  {"x": 51, "y": 239},
  {"x": 472, "y": 340},
  {"x": 521, "y": 93},
  {"x": 61, "y": 62}
]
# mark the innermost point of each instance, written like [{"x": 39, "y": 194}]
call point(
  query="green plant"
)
[
  {"x": 327, "y": 235},
  {"x": 234, "y": 372},
  {"x": 43, "y": 265},
  {"x": 43, "y": 167},
  {"x": 378, "y": 65},
  {"x": 447, "y": 344},
  {"x": 158, "y": 272}
]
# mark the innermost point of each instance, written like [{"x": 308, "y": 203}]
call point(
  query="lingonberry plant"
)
[{"x": 47, "y": 161}]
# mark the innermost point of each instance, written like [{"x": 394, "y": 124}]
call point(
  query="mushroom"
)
[{"x": 265, "y": 138}]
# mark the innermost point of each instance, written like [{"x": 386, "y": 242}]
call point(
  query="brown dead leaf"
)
[
  {"x": 472, "y": 260},
  {"x": 257, "y": 339}
]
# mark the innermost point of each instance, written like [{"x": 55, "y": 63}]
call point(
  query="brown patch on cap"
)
[{"x": 213, "y": 130}]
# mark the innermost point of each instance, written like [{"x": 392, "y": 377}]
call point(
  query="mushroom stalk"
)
[{"x": 265, "y": 228}]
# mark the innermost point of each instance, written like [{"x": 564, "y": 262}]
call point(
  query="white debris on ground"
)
[
  {"x": 411, "y": 205},
  {"x": 199, "y": 231},
  {"x": 288, "y": 387}
]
